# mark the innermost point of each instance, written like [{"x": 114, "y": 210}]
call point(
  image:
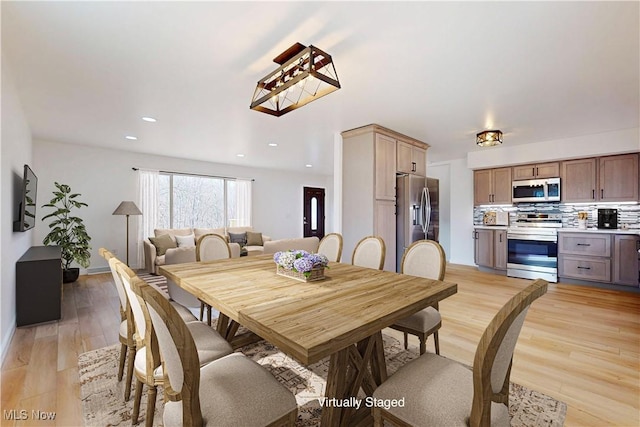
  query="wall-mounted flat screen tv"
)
[{"x": 27, "y": 208}]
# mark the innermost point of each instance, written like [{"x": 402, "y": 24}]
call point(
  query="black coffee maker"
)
[{"x": 607, "y": 218}]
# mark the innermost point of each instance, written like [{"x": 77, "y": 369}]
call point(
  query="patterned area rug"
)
[{"x": 103, "y": 403}]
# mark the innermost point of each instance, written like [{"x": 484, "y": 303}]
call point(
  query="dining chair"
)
[
  {"x": 331, "y": 246},
  {"x": 147, "y": 363},
  {"x": 230, "y": 391},
  {"x": 127, "y": 326},
  {"x": 369, "y": 252},
  {"x": 176, "y": 293},
  {"x": 211, "y": 247},
  {"x": 424, "y": 258},
  {"x": 440, "y": 391}
]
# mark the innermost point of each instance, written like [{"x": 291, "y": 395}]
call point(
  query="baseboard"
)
[
  {"x": 98, "y": 270},
  {"x": 6, "y": 342}
]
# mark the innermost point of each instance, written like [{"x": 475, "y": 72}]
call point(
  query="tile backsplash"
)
[{"x": 627, "y": 214}]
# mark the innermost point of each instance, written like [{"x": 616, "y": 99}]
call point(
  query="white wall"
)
[
  {"x": 15, "y": 153},
  {"x": 600, "y": 144},
  {"x": 104, "y": 178}
]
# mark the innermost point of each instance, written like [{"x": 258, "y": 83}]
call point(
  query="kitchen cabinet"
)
[
  {"x": 483, "y": 247},
  {"x": 500, "y": 250},
  {"x": 492, "y": 186},
  {"x": 603, "y": 179},
  {"x": 368, "y": 186},
  {"x": 578, "y": 181},
  {"x": 536, "y": 171},
  {"x": 385, "y": 167},
  {"x": 411, "y": 159},
  {"x": 585, "y": 256},
  {"x": 626, "y": 260},
  {"x": 618, "y": 178}
]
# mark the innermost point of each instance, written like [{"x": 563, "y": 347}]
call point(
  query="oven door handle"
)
[{"x": 531, "y": 237}]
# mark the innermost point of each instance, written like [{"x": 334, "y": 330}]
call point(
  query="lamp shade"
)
[{"x": 127, "y": 208}]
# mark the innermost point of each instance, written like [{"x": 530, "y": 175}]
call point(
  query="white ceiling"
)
[{"x": 437, "y": 71}]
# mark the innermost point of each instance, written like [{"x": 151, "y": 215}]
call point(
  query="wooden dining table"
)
[{"x": 340, "y": 317}]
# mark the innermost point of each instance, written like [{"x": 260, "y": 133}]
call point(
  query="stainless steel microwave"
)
[{"x": 536, "y": 190}]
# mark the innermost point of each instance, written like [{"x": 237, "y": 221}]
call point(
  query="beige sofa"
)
[
  {"x": 152, "y": 260},
  {"x": 309, "y": 244}
]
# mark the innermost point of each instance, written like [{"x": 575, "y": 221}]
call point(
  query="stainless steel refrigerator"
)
[{"x": 417, "y": 212}]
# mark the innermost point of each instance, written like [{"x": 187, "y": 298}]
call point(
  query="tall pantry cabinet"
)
[{"x": 369, "y": 166}]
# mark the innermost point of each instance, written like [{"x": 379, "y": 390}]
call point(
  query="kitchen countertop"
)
[{"x": 633, "y": 231}]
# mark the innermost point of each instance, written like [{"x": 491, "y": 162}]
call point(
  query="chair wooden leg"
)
[
  {"x": 127, "y": 385},
  {"x": 377, "y": 417},
  {"x": 208, "y": 315},
  {"x": 436, "y": 340},
  {"x": 423, "y": 345},
  {"x": 123, "y": 356},
  {"x": 201, "y": 311},
  {"x": 151, "y": 406},
  {"x": 406, "y": 340},
  {"x": 136, "y": 402}
]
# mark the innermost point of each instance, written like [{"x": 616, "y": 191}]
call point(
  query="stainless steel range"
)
[{"x": 533, "y": 246}]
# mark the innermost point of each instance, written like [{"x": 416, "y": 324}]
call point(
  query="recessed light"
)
[
  {"x": 308, "y": 166},
  {"x": 273, "y": 144},
  {"x": 132, "y": 138},
  {"x": 240, "y": 155},
  {"x": 149, "y": 119}
]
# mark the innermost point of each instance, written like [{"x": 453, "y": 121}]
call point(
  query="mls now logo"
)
[{"x": 23, "y": 414}]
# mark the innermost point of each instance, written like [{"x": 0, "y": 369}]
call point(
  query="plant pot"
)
[{"x": 70, "y": 275}]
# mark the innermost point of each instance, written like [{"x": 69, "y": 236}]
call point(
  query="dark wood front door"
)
[{"x": 313, "y": 211}]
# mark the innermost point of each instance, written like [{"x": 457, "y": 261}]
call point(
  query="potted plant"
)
[{"x": 68, "y": 231}]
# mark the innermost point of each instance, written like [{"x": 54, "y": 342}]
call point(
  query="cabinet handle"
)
[
  {"x": 533, "y": 171},
  {"x": 584, "y": 268},
  {"x": 500, "y": 237},
  {"x": 593, "y": 194},
  {"x": 536, "y": 171},
  {"x": 583, "y": 244},
  {"x": 602, "y": 193},
  {"x": 413, "y": 166}
]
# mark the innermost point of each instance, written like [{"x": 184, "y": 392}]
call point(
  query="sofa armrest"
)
[
  {"x": 235, "y": 250},
  {"x": 265, "y": 239},
  {"x": 149, "y": 256}
]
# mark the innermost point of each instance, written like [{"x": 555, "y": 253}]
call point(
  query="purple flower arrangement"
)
[{"x": 300, "y": 261}]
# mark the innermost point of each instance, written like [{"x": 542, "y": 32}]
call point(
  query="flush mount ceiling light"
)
[
  {"x": 304, "y": 75},
  {"x": 489, "y": 138}
]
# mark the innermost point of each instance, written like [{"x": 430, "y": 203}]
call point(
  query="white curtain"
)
[
  {"x": 243, "y": 200},
  {"x": 148, "y": 203}
]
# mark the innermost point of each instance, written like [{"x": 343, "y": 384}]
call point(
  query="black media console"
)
[{"x": 39, "y": 285}]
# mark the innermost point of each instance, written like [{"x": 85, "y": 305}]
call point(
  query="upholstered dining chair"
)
[
  {"x": 439, "y": 391},
  {"x": 231, "y": 391},
  {"x": 147, "y": 364},
  {"x": 211, "y": 247},
  {"x": 369, "y": 252},
  {"x": 127, "y": 326},
  {"x": 424, "y": 258},
  {"x": 176, "y": 293},
  {"x": 331, "y": 246}
]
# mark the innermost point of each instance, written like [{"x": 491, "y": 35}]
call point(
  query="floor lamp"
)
[{"x": 127, "y": 208}]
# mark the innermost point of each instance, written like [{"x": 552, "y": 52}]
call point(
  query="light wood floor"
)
[{"x": 579, "y": 344}]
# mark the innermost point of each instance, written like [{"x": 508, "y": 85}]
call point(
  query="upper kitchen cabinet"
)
[
  {"x": 618, "y": 178},
  {"x": 541, "y": 170},
  {"x": 385, "y": 170},
  {"x": 411, "y": 159},
  {"x": 578, "y": 180},
  {"x": 492, "y": 186},
  {"x": 604, "y": 179}
]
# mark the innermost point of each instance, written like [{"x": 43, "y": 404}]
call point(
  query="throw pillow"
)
[
  {"x": 162, "y": 243},
  {"x": 254, "y": 239},
  {"x": 186, "y": 241},
  {"x": 239, "y": 238}
]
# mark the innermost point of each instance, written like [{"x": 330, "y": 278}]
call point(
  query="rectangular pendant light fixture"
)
[
  {"x": 304, "y": 75},
  {"x": 489, "y": 138}
]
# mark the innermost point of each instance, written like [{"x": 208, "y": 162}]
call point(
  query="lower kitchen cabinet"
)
[
  {"x": 490, "y": 248},
  {"x": 600, "y": 257},
  {"x": 626, "y": 260}
]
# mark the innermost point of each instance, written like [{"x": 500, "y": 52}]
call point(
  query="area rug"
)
[{"x": 103, "y": 403}]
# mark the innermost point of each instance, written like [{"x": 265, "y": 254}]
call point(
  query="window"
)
[{"x": 202, "y": 201}]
